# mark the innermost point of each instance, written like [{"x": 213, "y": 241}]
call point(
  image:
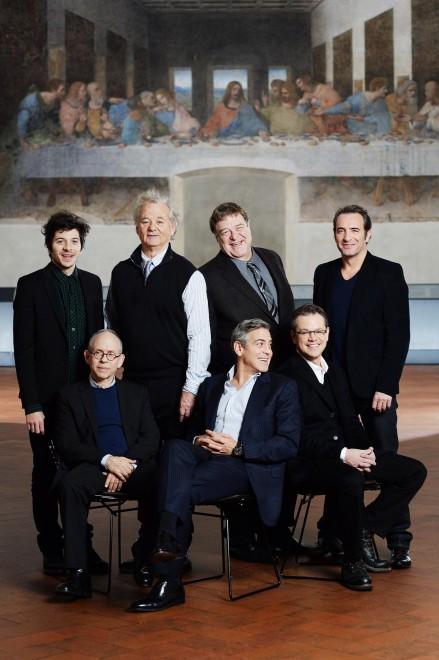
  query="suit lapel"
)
[
  {"x": 88, "y": 403},
  {"x": 304, "y": 371},
  {"x": 54, "y": 298},
  {"x": 256, "y": 402},
  {"x": 124, "y": 406},
  {"x": 235, "y": 279},
  {"x": 213, "y": 401},
  {"x": 278, "y": 279},
  {"x": 363, "y": 286}
]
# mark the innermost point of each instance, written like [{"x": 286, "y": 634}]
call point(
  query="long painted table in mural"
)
[{"x": 302, "y": 157}]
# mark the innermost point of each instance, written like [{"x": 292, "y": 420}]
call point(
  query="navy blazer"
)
[
  {"x": 378, "y": 329},
  {"x": 232, "y": 300},
  {"x": 75, "y": 432},
  {"x": 270, "y": 433}
]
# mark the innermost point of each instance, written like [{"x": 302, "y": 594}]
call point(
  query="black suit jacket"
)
[
  {"x": 378, "y": 328},
  {"x": 75, "y": 432},
  {"x": 326, "y": 428},
  {"x": 40, "y": 337},
  {"x": 270, "y": 433},
  {"x": 232, "y": 299}
]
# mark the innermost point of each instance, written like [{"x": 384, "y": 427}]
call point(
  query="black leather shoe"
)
[
  {"x": 96, "y": 565},
  {"x": 329, "y": 547},
  {"x": 164, "y": 594},
  {"x": 53, "y": 565},
  {"x": 77, "y": 585},
  {"x": 400, "y": 558},
  {"x": 354, "y": 576},
  {"x": 167, "y": 549},
  {"x": 143, "y": 575},
  {"x": 370, "y": 559}
]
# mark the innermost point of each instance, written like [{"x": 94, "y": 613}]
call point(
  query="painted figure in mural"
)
[
  {"x": 283, "y": 118},
  {"x": 234, "y": 116},
  {"x": 174, "y": 116},
  {"x": 428, "y": 116},
  {"x": 97, "y": 117},
  {"x": 55, "y": 310},
  {"x": 38, "y": 114},
  {"x": 316, "y": 96},
  {"x": 72, "y": 114},
  {"x": 356, "y": 287},
  {"x": 273, "y": 98},
  {"x": 366, "y": 112},
  {"x": 403, "y": 106}
]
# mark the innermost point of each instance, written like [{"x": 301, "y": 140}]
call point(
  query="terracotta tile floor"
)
[{"x": 399, "y": 619}]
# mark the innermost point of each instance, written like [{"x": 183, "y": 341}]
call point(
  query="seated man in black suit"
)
[
  {"x": 246, "y": 425},
  {"x": 107, "y": 440},
  {"x": 335, "y": 455}
]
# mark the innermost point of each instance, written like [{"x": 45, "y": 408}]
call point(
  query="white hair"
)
[{"x": 155, "y": 196}]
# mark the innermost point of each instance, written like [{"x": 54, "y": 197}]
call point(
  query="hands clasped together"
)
[
  {"x": 216, "y": 443},
  {"x": 118, "y": 470}
]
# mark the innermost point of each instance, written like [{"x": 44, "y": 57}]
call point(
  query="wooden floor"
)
[{"x": 302, "y": 619}]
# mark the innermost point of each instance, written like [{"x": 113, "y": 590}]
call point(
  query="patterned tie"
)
[
  {"x": 147, "y": 267},
  {"x": 264, "y": 289}
]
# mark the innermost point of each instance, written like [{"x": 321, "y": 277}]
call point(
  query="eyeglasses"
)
[
  {"x": 110, "y": 355},
  {"x": 311, "y": 332}
]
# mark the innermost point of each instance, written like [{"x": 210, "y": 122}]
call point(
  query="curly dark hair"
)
[{"x": 64, "y": 221}]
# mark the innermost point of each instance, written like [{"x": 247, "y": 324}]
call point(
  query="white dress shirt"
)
[
  {"x": 196, "y": 308},
  {"x": 233, "y": 404}
]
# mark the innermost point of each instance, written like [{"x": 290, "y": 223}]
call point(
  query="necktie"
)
[
  {"x": 147, "y": 267},
  {"x": 263, "y": 288}
]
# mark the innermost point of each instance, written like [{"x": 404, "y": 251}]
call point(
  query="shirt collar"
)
[
  {"x": 62, "y": 276},
  {"x": 231, "y": 373},
  {"x": 157, "y": 260},
  {"x": 319, "y": 369},
  {"x": 96, "y": 385}
]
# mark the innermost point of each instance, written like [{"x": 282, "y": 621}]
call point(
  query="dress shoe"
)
[
  {"x": 96, "y": 565},
  {"x": 400, "y": 558},
  {"x": 369, "y": 556},
  {"x": 167, "y": 549},
  {"x": 53, "y": 565},
  {"x": 354, "y": 576},
  {"x": 164, "y": 594},
  {"x": 77, "y": 585},
  {"x": 143, "y": 575}
]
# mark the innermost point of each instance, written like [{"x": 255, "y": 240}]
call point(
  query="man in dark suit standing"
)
[
  {"x": 244, "y": 282},
  {"x": 246, "y": 425},
  {"x": 55, "y": 310},
  {"x": 335, "y": 453},
  {"x": 107, "y": 439},
  {"x": 366, "y": 299}
]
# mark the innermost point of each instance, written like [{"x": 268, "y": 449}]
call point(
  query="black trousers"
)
[
  {"x": 76, "y": 489},
  {"x": 345, "y": 487},
  {"x": 381, "y": 428},
  {"x": 44, "y": 499},
  {"x": 388, "y": 515}
]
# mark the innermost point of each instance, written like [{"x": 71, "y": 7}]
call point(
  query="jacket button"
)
[
  {"x": 335, "y": 437},
  {"x": 332, "y": 415}
]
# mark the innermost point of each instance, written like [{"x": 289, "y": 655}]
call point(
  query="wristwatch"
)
[{"x": 238, "y": 450}]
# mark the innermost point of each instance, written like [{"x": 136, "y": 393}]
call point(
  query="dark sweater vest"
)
[
  {"x": 111, "y": 436},
  {"x": 150, "y": 316}
]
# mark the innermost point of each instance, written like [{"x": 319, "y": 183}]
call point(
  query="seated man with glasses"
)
[
  {"x": 335, "y": 454},
  {"x": 107, "y": 440}
]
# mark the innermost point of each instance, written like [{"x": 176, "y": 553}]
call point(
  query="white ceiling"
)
[{"x": 228, "y": 5}]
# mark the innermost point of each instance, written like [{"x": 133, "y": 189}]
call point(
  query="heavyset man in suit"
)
[
  {"x": 366, "y": 299},
  {"x": 107, "y": 440},
  {"x": 244, "y": 282},
  {"x": 246, "y": 425},
  {"x": 335, "y": 453},
  {"x": 55, "y": 310}
]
